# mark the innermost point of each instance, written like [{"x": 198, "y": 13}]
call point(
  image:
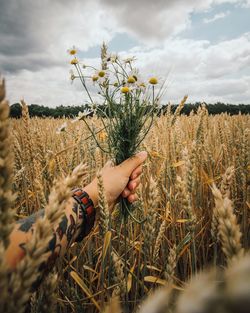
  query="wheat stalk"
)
[{"x": 150, "y": 224}]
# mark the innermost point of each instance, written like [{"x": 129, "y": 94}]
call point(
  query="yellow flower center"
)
[
  {"x": 95, "y": 78},
  {"x": 153, "y": 81},
  {"x": 125, "y": 89},
  {"x": 131, "y": 80},
  {"x": 74, "y": 61},
  {"x": 102, "y": 135},
  {"x": 101, "y": 73},
  {"x": 72, "y": 51}
]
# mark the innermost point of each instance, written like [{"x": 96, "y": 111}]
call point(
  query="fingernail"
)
[{"x": 143, "y": 154}]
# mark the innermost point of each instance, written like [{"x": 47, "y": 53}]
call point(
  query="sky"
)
[{"x": 201, "y": 47}]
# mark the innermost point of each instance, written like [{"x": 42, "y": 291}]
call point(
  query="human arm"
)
[{"x": 118, "y": 180}]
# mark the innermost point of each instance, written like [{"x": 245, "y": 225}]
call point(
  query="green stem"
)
[
  {"x": 83, "y": 81},
  {"x": 126, "y": 210},
  {"x": 93, "y": 135}
]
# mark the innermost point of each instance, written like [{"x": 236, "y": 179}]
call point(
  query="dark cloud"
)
[
  {"x": 34, "y": 34},
  {"x": 28, "y": 30},
  {"x": 31, "y": 62},
  {"x": 153, "y": 20},
  {"x": 20, "y": 27}
]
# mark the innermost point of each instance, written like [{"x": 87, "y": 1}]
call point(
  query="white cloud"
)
[
  {"x": 154, "y": 21},
  {"x": 34, "y": 43},
  {"x": 48, "y": 86},
  {"x": 205, "y": 72},
  {"x": 202, "y": 70},
  {"x": 216, "y": 17},
  {"x": 245, "y": 3}
]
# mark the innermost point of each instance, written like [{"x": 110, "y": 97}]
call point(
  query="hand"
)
[{"x": 119, "y": 180}]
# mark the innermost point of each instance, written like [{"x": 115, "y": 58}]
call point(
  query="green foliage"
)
[
  {"x": 72, "y": 111},
  {"x": 44, "y": 111},
  {"x": 16, "y": 110},
  {"x": 217, "y": 108}
]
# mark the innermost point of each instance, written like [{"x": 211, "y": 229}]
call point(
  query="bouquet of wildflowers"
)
[{"x": 127, "y": 108}]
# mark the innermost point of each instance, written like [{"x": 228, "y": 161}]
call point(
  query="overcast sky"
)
[{"x": 201, "y": 46}]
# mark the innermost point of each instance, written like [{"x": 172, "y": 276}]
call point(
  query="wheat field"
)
[{"x": 193, "y": 201}]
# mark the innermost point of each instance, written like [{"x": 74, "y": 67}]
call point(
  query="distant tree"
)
[
  {"x": 72, "y": 111},
  {"x": 15, "y": 110}
]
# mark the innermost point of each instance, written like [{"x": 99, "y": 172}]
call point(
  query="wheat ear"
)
[
  {"x": 119, "y": 276},
  {"x": 46, "y": 302},
  {"x": 157, "y": 302},
  {"x": 27, "y": 270},
  {"x": 6, "y": 164},
  {"x": 159, "y": 240},
  {"x": 229, "y": 230},
  {"x": 114, "y": 306},
  {"x": 237, "y": 287},
  {"x": 201, "y": 295},
  {"x": 103, "y": 205},
  {"x": 226, "y": 182},
  {"x": 171, "y": 265}
]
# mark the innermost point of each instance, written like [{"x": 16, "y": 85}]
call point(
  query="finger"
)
[
  {"x": 136, "y": 172},
  {"x": 126, "y": 192},
  {"x": 133, "y": 183},
  {"x": 133, "y": 197},
  {"x": 129, "y": 165}
]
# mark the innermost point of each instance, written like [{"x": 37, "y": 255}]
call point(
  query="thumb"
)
[{"x": 133, "y": 162}]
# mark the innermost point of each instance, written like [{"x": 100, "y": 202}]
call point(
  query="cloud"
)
[
  {"x": 50, "y": 86},
  {"x": 245, "y": 4},
  {"x": 216, "y": 17},
  {"x": 40, "y": 27},
  {"x": 154, "y": 21},
  {"x": 210, "y": 72},
  {"x": 35, "y": 35},
  {"x": 226, "y": 58}
]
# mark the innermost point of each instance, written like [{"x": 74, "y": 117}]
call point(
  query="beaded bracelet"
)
[{"x": 87, "y": 212}]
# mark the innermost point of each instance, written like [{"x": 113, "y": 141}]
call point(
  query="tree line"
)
[{"x": 72, "y": 111}]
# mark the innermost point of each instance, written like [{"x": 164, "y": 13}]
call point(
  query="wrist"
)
[
  {"x": 85, "y": 211},
  {"x": 92, "y": 191}
]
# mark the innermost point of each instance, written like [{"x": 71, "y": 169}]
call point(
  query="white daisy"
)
[
  {"x": 82, "y": 115},
  {"x": 61, "y": 128}
]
